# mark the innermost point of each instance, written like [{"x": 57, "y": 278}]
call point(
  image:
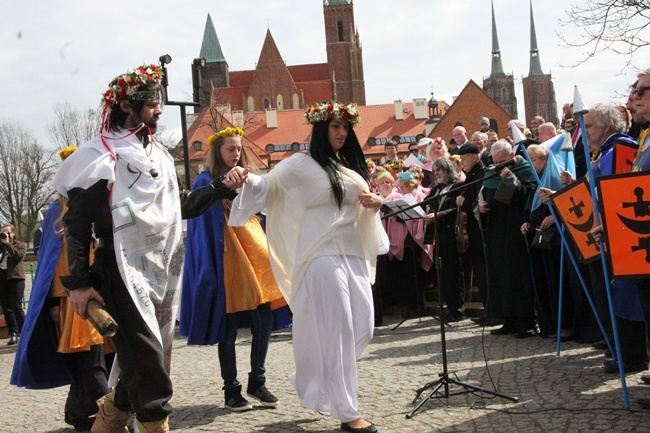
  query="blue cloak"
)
[
  {"x": 203, "y": 297},
  {"x": 38, "y": 365}
]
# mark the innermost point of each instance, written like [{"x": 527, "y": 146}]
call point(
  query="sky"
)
[{"x": 69, "y": 50}]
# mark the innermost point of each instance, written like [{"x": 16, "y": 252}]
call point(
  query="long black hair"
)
[{"x": 350, "y": 156}]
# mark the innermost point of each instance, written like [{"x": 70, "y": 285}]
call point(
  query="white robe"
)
[
  {"x": 147, "y": 228},
  {"x": 323, "y": 258}
]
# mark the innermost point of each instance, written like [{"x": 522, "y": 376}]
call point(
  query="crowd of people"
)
[
  {"x": 514, "y": 251},
  {"x": 303, "y": 245}
]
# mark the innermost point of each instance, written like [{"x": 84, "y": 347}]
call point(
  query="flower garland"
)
[
  {"x": 226, "y": 132},
  {"x": 332, "y": 111},
  {"x": 64, "y": 153},
  {"x": 124, "y": 86},
  {"x": 395, "y": 165}
]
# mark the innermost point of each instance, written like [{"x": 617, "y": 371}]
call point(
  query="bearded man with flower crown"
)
[{"x": 122, "y": 188}]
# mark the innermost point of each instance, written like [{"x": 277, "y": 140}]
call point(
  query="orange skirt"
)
[{"x": 248, "y": 277}]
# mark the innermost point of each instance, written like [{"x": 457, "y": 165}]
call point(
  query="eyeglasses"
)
[
  {"x": 414, "y": 150},
  {"x": 640, "y": 90},
  {"x": 436, "y": 147}
]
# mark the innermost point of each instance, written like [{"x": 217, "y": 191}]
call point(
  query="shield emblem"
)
[
  {"x": 624, "y": 201},
  {"x": 575, "y": 208},
  {"x": 623, "y": 157}
]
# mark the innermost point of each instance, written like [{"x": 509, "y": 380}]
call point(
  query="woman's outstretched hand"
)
[
  {"x": 370, "y": 200},
  {"x": 236, "y": 177}
]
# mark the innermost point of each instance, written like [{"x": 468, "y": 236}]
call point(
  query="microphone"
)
[{"x": 517, "y": 160}]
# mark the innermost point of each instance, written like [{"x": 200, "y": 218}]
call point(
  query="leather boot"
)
[
  {"x": 110, "y": 419},
  {"x": 161, "y": 426}
]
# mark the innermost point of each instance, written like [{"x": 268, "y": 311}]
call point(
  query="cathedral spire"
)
[
  {"x": 210, "y": 47},
  {"x": 535, "y": 65},
  {"x": 497, "y": 67}
]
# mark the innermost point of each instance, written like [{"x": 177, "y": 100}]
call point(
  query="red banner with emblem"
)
[
  {"x": 624, "y": 202},
  {"x": 576, "y": 210},
  {"x": 623, "y": 157}
]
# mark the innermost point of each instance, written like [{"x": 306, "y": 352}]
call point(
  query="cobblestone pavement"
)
[{"x": 566, "y": 393}]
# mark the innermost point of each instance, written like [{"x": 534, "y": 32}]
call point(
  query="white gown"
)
[{"x": 323, "y": 259}]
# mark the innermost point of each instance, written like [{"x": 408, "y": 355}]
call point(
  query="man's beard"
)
[{"x": 152, "y": 124}]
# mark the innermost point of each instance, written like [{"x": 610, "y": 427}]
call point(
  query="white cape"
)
[{"x": 146, "y": 221}]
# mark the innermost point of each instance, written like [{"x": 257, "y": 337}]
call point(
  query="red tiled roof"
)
[
  {"x": 240, "y": 78},
  {"x": 201, "y": 131},
  {"x": 313, "y": 72},
  {"x": 377, "y": 121},
  {"x": 230, "y": 95},
  {"x": 316, "y": 91}
]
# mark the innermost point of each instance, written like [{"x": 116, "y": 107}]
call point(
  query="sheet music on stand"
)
[{"x": 404, "y": 202}]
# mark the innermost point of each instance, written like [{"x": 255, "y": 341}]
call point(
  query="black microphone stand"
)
[{"x": 444, "y": 380}]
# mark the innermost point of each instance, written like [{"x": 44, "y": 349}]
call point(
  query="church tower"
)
[
  {"x": 498, "y": 85},
  {"x": 215, "y": 71},
  {"x": 272, "y": 85},
  {"x": 344, "y": 53},
  {"x": 539, "y": 93}
]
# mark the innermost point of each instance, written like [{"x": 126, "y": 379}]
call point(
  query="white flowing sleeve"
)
[{"x": 251, "y": 199}]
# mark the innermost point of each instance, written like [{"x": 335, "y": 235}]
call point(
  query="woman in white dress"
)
[{"x": 324, "y": 236}]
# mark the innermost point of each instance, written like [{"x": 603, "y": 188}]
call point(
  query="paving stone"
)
[{"x": 556, "y": 393}]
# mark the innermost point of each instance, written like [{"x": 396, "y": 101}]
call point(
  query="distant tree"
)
[
  {"x": 26, "y": 169},
  {"x": 72, "y": 126},
  {"x": 618, "y": 26}
]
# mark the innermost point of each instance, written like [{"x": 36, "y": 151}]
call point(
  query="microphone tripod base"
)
[{"x": 445, "y": 381}]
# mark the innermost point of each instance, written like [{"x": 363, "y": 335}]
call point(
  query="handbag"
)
[
  {"x": 462, "y": 240},
  {"x": 544, "y": 239}
]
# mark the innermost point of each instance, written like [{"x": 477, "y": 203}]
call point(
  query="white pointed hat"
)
[
  {"x": 579, "y": 106},
  {"x": 517, "y": 135}
]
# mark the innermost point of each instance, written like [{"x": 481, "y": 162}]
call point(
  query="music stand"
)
[
  {"x": 408, "y": 212},
  {"x": 444, "y": 380}
]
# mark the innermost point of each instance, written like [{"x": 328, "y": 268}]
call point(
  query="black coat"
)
[{"x": 446, "y": 220}]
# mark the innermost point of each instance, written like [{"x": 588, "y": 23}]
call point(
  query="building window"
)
[
  {"x": 339, "y": 28},
  {"x": 280, "y": 102},
  {"x": 295, "y": 146},
  {"x": 196, "y": 146},
  {"x": 372, "y": 141},
  {"x": 267, "y": 104},
  {"x": 541, "y": 88},
  {"x": 270, "y": 148},
  {"x": 251, "y": 104}
]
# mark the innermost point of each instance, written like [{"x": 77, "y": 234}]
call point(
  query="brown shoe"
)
[
  {"x": 161, "y": 426},
  {"x": 110, "y": 419}
]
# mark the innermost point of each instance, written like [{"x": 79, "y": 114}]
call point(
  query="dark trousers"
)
[
  {"x": 261, "y": 325},
  {"x": 413, "y": 277},
  {"x": 90, "y": 383},
  {"x": 633, "y": 340},
  {"x": 11, "y": 300},
  {"x": 452, "y": 292},
  {"x": 144, "y": 385},
  {"x": 599, "y": 295}
]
